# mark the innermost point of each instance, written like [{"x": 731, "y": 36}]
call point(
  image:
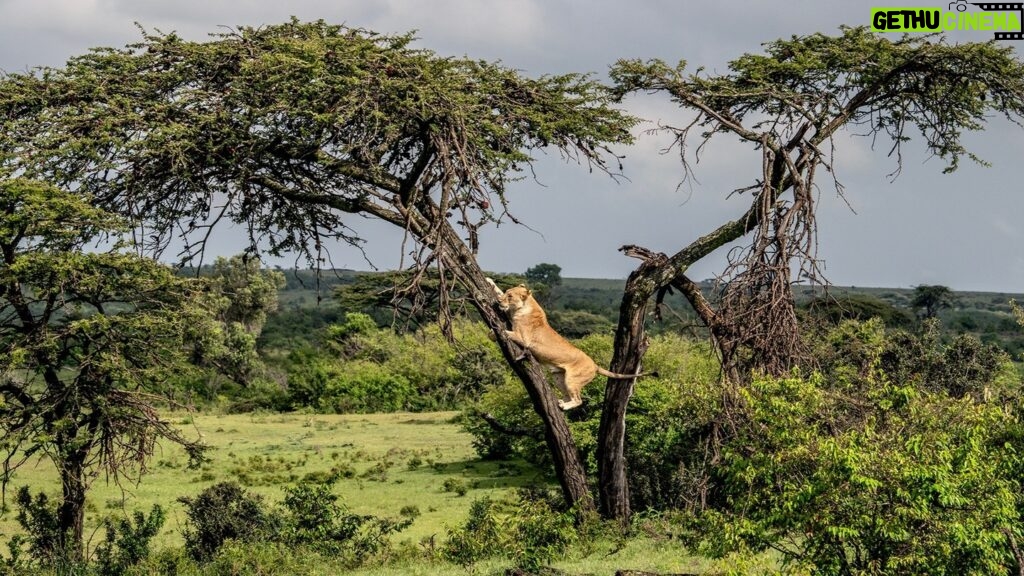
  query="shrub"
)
[
  {"x": 455, "y": 485},
  {"x": 366, "y": 387},
  {"x": 127, "y": 542},
  {"x": 916, "y": 484},
  {"x": 315, "y": 519},
  {"x": 222, "y": 512},
  {"x": 527, "y": 530},
  {"x": 38, "y": 517},
  {"x": 367, "y": 369}
]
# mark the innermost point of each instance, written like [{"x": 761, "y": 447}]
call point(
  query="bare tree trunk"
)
[
  {"x": 655, "y": 273},
  {"x": 630, "y": 346}
]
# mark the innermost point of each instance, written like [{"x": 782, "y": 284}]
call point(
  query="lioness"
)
[{"x": 571, "y": 368}]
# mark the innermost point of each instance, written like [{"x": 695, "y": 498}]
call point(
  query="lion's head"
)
[{"x": 514, "y": 299}]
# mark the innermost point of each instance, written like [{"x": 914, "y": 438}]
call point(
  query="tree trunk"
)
[
  {"x": 429, "y": 225},
  {"x": 630, "y": 346},
  {"x": 656, "y": 272},
  {"x": 569, "y": 468},
  {"x": 572, "y": 476},
  {"x": 71, "y": 512}
]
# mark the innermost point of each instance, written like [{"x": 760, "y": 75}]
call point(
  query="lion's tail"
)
[{"x": 611, "y": 374}]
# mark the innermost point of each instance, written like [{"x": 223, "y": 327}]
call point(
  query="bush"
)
[
  {"x": 898, "y": 457},
  {"x": 38, "y": 517},
  {"x": 127, "y": 542},
  {"x": 916, "y": 485},
  {"x": 366, "y": 387},
  {"x": 220, "y": 513},
  {"x": 366, "y": 369},
  {"x": 527, "y": 530},
  {"x": 309, "y": 519}
]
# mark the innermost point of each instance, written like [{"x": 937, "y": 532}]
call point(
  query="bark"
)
[
  {"x": 565, "y": 456},
  {"x": 71, "y": 512},
  {"x": 655, "y": 273}
]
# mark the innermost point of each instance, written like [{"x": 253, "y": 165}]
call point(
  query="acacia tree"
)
[
  {"x": 791, "y": 104},
  {"x": 87, "y": 342},
  {"x": 296, "y": 132},
  {"x": 932, "y": 298},
  {"x": 245, "y": 294}
]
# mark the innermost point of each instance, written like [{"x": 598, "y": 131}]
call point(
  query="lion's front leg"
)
[
  {"x": 497, "y": 291},
  {"x": 518, "y": 340}
]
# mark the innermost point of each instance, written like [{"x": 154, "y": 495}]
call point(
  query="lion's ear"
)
[{"x": 522, "y": 286}]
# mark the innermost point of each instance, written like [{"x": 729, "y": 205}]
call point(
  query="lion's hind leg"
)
[{"x": 573, "y": 386}]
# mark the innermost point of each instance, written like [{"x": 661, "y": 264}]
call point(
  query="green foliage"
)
[
  {"x": 378, "y": 370},
  {"x": 244, "y": 295},
  {"x": 355, "y": 324},
  {"x": 291, "y": 125},
  {"x": 363, "y": 386},
  {"x": 898, "y": 458},
  {"x": 526, "y": 530},
  {"x": 44, "y": 534},
  {"x": 932, "y": 299},
  {"x": 127, "y": 543},
  {"x": 859, "y": 307},
  {"x": 220, "y": 513},
  {"x": 914, "y": 82},
  {"x": 316, "y": 520},
  {"x": 857, "y": 353},
  {"x": 915, "y": 485},
  {"x": 579, "y": 323},
  {"x": 310, "y": 518},
  {"x": 252, "y": 292},
  {"x": 89, "y": 341},
  {"x": 549, "y": 275},
  {"x": 543, "y": 279}
]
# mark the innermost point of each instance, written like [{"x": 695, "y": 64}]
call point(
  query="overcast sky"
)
[{"x": 963, "y": 230}]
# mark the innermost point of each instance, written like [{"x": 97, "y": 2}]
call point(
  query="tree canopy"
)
[{"x": 290, "y": 129}]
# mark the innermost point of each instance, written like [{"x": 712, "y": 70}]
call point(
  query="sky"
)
[{"x": 964, "y": 230}]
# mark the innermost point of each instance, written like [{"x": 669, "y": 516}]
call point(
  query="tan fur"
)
[{"x": 570, "y": 367}]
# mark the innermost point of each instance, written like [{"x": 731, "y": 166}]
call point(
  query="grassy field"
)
[{"x": 386, "y": 462}]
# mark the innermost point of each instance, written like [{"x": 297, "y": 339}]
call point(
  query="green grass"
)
[{"x": 386, "y": 462}]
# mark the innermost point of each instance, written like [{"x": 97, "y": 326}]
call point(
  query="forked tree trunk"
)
[
  {"x": 655, "y": 273},
  {"x": 630, "y": 346}
]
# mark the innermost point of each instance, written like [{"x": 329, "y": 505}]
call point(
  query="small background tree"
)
[
  {"x": 931, "y": 299},
  {"x": 88, "y": 342}
]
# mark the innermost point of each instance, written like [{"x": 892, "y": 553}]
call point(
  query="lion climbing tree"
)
[{"x": 298, "y": 132}]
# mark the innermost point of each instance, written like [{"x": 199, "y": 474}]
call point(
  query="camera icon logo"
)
[{"x": 961, "y": 5}]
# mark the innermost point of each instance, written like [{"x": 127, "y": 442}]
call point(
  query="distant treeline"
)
[{"x": 581, "y": 306}]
